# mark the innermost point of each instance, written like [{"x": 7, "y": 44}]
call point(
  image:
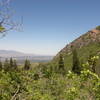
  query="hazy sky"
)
[{"x": 48, "y": 25}]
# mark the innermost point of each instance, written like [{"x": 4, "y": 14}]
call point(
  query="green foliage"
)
[
  {"x": 76, "y": 66},
  {"x": 6, "y": 65},
  {"x": 83, "y": 56},
  {"x": 61, "y": 67},
  {"x": 36, "y": 76},
  {"x": 15, "y": 64},
  {"x": 92, "y": 63},
  {"x": 43, "y": 83},
  {"x": 57, "y": 87},
  {"x": 11, "y": 63},
  {"x": 61, "y": 62},
  {"x": 27, "y": 65},
  {"x": 1, "y": 66}
]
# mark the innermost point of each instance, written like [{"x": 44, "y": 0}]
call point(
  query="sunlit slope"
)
[{"x": 86, "y": 45}]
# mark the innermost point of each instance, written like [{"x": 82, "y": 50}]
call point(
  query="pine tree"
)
[
  {"x": 0, "y": 65},
  {"x": 27, "y": 65},
  {"x": 6, "y": 65},
  {"x": 61, "y": 64},
  {"x": 14, "y": 64},
  {"x": 76, "y": 66},
  {"x": 11, "y": 63},
  {"x": 93, "y": 67}
]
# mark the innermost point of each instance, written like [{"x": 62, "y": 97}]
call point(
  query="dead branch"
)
[{"x": 14, "y": 96}]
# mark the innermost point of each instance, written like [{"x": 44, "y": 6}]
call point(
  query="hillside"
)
[
  {"x": 41, "y": 81},
  {"x": 87, "y": 44}
]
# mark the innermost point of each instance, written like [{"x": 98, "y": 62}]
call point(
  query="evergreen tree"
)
[
  {"x": 0, "y": 65},
  {"x": 76, "y": 66},
  {"x": 93, "y": 67},
  {"x": 14, "y": 64},
  {"x": 11, "y": 63},
  {"x": 6, "y": 65},
  {"x": 61, "y": 64},
  {"x": 27, "y": 65}
]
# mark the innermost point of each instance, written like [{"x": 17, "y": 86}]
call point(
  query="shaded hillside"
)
[{"x": 86, "y": 45}]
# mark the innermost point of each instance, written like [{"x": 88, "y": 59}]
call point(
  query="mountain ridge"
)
[
  {"x": 83, "y": 40},
  {"x": 86, "y": 44}
]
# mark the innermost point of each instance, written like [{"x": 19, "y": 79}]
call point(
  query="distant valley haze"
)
[{"x": 19, "y": 56}]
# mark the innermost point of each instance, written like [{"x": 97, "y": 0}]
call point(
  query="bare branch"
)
[
  {"x": 13, "y": 97},
  {"x": 6, "y": 20}
]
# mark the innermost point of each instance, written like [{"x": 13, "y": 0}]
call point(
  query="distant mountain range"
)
[
  {"x": 22, "y": 56},
  {"x": 11, "y": 53}
]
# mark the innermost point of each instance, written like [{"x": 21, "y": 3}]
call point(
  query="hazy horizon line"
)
[{"x": 32, "y": 53}]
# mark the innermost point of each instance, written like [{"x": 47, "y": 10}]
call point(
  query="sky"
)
[{"x": 49, "y": 25}]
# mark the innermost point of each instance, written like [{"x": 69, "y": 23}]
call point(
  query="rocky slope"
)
[
  {"x": 88, "y": 43},
  {"x": 84, "y": 40}
]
